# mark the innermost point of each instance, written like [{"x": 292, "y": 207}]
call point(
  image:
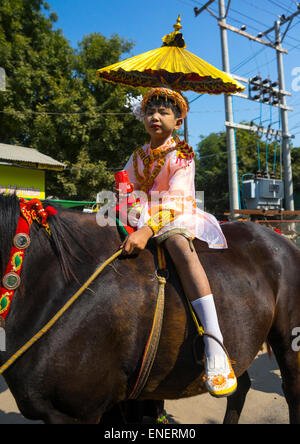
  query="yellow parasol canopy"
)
[{"x": 171, "y": 65}]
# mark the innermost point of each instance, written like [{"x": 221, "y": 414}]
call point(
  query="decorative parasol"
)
[{"x": 171, "y": 65}]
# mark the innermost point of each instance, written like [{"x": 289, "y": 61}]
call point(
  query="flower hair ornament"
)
[{"x": 135, "y": 104}]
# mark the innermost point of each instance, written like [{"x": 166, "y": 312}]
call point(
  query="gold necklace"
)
[{"x": 147, "y": 181}]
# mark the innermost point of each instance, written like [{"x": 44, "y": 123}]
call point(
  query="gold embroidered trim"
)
[
  {"x": 147, "y": 181},
  {"x": 160, "y": 219},
  {"x": 184, "y": 153}
]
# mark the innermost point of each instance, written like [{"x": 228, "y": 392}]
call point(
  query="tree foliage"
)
[{"x": 55, "y": 103}]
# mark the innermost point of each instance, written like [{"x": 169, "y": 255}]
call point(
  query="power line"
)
[
  {"x": 291, "y": 4},
  {"x": 248, "y": 59},
  {"x": 274, "y": 59},
  {"x": 232, "y": 19},
  {"x": 278, "y": 5},
  {"x": 24, "y": 113},
  {"x": 84, "y": 113},
  {"x": 260, "y": 23},
  {"x": 248, "y": 17},
  {"x": 259, "y": 8},
  {"x": 185, "y": 2}
]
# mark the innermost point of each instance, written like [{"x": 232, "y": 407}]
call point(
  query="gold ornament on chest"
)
[{"x": 158, "y": 156}]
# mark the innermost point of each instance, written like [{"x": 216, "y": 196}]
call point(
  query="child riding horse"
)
[{"x": 167, "y": 167}]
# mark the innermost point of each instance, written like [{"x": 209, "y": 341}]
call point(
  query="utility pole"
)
[
  {"x": 233, "y": 178},
  {"x": 287, "y": 163}
]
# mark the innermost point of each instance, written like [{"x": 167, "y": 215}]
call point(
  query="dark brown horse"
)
[{"x": 89, "y": 361}]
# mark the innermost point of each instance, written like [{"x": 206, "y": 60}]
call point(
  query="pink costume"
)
[{"x": 175, "y": 186}]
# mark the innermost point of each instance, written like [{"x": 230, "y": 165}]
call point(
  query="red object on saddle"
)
[
  {"x": 122, "y": 216},
  {"x": 122, "y": 182},
  {"x": 124, "y": 186}
]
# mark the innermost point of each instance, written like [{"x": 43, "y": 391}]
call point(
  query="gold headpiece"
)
[{"x": 167, "y": 93}]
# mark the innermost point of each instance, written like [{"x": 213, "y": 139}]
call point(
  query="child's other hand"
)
[{"x": 137, "y": 241}]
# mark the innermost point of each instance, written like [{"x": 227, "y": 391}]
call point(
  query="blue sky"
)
[{"x": 146, "y": 22}]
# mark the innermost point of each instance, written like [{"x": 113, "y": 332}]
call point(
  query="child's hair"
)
[{"x": 168, "y": 102}]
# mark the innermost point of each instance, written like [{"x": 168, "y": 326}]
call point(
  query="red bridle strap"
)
[{"x": 29, "y": 211}]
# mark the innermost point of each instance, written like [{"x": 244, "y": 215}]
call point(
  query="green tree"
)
[
  {"x": 38, "y": 62},
  {"x": 295, "y": 156},
  {"x": 211, "y": 172},
  {"x": 55, "y": 103}
]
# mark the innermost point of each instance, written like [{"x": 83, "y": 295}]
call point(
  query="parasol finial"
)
[
  {"x": 178, "y": 26},
  {"x": 175, "y": 38}
]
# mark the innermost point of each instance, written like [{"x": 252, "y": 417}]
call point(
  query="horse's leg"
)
[
  {"x": 116, "y": 415},
  {"x": 133, "y": 412},
  {"x": 285, "y": 347},
  {"x": 291, "y": 391},
  {"x": 49, "y": 414},
  {"x": 289, "y": 368},
  {"x": 289, "y": 364},
  {"x": 235, "y": 402},
  {"x": 56, "y": 417},
  {"x": 156, "y": 411}
]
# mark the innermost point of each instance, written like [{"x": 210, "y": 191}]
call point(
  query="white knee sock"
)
[{"x": 206, "y": 311}]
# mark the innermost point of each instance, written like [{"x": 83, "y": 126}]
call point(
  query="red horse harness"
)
[{"x": 29, "y": 211}]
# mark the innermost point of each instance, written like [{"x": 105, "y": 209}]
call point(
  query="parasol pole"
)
[
  {"x": 186, "y": 131},
  {"x": 233, "y": 178}
]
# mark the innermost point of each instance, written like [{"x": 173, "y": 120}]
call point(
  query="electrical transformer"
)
[{"x": 262, "y": 193}]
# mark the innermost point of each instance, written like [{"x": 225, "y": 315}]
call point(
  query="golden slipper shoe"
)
[{"x": 219, "y": 376}]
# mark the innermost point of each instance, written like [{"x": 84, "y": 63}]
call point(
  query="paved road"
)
[{"x": 265, "y": 403}]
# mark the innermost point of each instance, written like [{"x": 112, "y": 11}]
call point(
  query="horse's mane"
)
[
  {"x": 9, "y": 213},
  {"x": 65, "y": 235}
]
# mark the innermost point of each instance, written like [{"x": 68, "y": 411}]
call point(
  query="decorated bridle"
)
[{"x": 30, "y": 211}]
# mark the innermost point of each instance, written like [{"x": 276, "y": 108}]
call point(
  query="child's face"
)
[{"x": 160, "y": 122}]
